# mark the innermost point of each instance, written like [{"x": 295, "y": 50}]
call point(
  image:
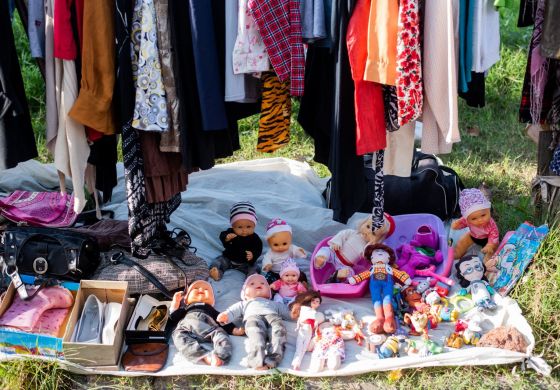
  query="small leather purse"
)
[{"x": 146, "y": 357}]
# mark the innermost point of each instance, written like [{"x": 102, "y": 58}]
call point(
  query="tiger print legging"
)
[{"x": 276, "y": 109}]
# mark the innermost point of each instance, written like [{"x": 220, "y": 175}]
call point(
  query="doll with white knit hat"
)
[
  {"x": 288, "y": 286},
  {"x": 279, "y": 237},
  {"x": 483, "y": 231},
  {"x": 242, "y": 246}
]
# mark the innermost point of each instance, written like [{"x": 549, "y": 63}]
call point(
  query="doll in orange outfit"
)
[{"x": 475, "y": 211}]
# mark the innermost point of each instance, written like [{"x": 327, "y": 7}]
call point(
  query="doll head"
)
[
  {"x": 255, "y": 286},
  {"x": 475, "y": 208},
  {"x": 380, "y": 234},
  {"x": 470, "y": 268},
  {"x": 289, "y": 273},
  {"x": 200, "y": 291},
  {"x": 243, "y": 218},
  {"x": 379, "y": 252},
  {"x": 278, "y": 235},
  {"x": 309, "y": 298}
]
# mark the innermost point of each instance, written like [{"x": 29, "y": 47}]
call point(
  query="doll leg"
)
[
  {"x": 222, "y": 344},
  {"x": 187, "y": 337},
  {"x": 317, "y": 364},
  {"x": 334, "y": 361},
  {"x": 277, "y": 340},
  {"x": 377, "y": 325},
  {"x": 322, "y": 257},
  {"x": 218, "y": 266},
  {"x": 278, "y": 298},
  {"x": 255, "y": 329},
  {"x": 463, "y": 245},
  {"x": 389, "y": 323},
  {"x": 304, "y": 337}
]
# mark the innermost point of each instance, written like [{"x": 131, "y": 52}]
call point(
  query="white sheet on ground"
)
[{"x": 278, "y": 188}]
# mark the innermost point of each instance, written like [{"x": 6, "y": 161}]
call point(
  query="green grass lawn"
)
[{"x": 502, "y": 156}]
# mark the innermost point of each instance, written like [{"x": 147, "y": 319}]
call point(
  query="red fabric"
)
[
  {"x": 279, "y": 23},
  {"x": 64, "y": 44},
  {"x": 368, "y": 96}
]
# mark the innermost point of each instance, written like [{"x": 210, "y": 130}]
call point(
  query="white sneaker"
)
[{"x": 111, "y": 316}]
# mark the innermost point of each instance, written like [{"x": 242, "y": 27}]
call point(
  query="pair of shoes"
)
[
  {"x": 98, "y": 322},
  {"x": 155, "y": 321}
]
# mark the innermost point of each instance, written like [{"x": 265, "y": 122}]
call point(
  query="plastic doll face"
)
[
  {"x": 365, "y": 230},
  {"x": 315, "y": 303},
  {"x": 201, "y": 294},
  {"x": 379, "y": 255},
  {"x": 257, "y": 287},
  {"x": 243, "y": 227},
  {"x": 479, "y": 217},
  {"x": 290, "y": 277},
  {"x": 280, "y": 242},
  {"x": 472, "y": 269}
]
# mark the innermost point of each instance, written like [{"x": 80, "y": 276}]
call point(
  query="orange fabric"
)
[
  {"x": 93, "y": 107},
  {"x": 381, "y": 65},
  {"x": 368, "y": 96}
]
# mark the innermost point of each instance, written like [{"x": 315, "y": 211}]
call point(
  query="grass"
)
[{"x": 502, "y": 156}]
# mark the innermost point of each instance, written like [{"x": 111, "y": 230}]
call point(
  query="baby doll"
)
[
  {"x": 262, "y": 319},
  {"x": 242, "y": 246},
  {"x": 328, "y": 348},
  {"x": 198, "y": 336},
  {"x": 347, "y": 246},
  {"x": 288, "y": 286},
  {"x": 304, "y": 308},
  {"x": 383, "y": 276},
  {"x": 470, "y": 273},
  {"x": 475, "y": 211},
  {"x": 279, "y": 238}
]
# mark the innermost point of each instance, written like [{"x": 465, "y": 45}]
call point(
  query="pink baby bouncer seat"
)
[{"x": 405, "y": 227}]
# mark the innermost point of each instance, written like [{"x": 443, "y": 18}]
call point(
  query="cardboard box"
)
[
  {"x": 13, "y": 341},
  {"x": 87, "y": 354},
  {"x": 142, "y": 310}
]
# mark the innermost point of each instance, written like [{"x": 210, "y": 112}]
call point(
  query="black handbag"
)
[
  {"x": 50, "y": 253},
  {"x": 431, "y": 188}
]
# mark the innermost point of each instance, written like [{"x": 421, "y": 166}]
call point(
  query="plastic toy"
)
[
  {"x": 405, "y": 228},
  {"x": 328, "y": 349},
  {"x": 421, "y": 252},
  {"x": 466, "y": 333},
  {"x": 419, "y": 323},
  {"x": 390, "y": 348},
  {"x": 423, "y": 348},
  {"x": 347, "y": 324},
  {"x": 305, "y": 308}
]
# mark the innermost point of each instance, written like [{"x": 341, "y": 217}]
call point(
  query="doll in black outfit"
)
[{"x": 242, "y": 246}]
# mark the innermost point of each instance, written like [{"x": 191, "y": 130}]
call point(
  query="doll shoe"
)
[
  {"x": 111, "y": 316},
  {"x": 155, "y": 321},
  {"x": 90, "y": 324}
]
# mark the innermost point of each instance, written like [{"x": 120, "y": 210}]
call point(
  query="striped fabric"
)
[{"x": 242, "y": 208}]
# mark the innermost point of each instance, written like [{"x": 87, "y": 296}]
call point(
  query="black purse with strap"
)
[{"x": 50, "y": 253}]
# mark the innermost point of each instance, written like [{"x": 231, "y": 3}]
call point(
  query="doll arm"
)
[
  {"x": 340, "y": 237},
  {"x": 464, "y": 290},
  {"x": 298, "y": 252},
  {"x": 493, "y": 232},
  {"x": 223, "y": 236},
  {"x": 267, "y": 260},
  {"x": 233, "y": 313},
  {"x": 401, "y": 278},
  {"x": 360, "y": 277},
  {"x": 258, "y": 247},
  {"x": 276, "y": 285},
  {"x": 459, "y": 224},
  {"x": 489, "y": 288},
  {"x": 301, "y": 288}
]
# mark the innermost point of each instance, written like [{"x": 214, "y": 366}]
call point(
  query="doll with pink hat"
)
[
  {"x": 288, "y": 286},
  {"x": 279, "y": 238},
  {"x": 475, "y": 211},
  {"x": 262, "y": 320}
]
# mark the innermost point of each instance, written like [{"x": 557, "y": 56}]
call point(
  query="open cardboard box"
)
[
  {"x": 99, "y": 355},
  {"x": 13, "y": 341},
  {"x": 143, "y": 308}
]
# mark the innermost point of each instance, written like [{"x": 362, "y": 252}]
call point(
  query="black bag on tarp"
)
[{"x": 431, "y": 188}]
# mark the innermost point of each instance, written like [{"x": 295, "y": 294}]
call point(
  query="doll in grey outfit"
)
[{"x": 262, "y": 320}]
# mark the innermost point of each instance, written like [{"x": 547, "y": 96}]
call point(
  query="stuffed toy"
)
[
  {"x": 328, "y": 349},
  {"x": 470, "y": 273},
  {"x": 421, "y": 252},
  {"x": 304, "y": 308},
  {"x": 504, "y": 337},
  {"x": 262, "y": 320}
]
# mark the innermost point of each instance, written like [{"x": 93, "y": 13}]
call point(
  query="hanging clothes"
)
[
  {"x": 486, "y": 36},
  {"x": 150, "y": 111},
  {"x": 466, "y": 12},
  {"x": 330, "y": 89},
  {"x": 239, "y": 87},
  {"x": 51, "y": 97},
  {"x": 17, "y": 141},
  {"x": 390, "y": 102},
  {"x": 313, "y": 25},
  {"x": 381, "y": 65},
  {"x": 377, "y": 213},
  {"x": 71, "y": 150},
  {"x": 440, "y": 118},
  {"x": 368, "y": 96},
  {"x": 276, "y": 110},
  {"x": 527, "y": 9},
  {"x": 249, "y": 52},
  {"x": 170, "y": 140},
  {"x": 36, "y": 28},
  {"x": 279, "y": 24},
  {"x": 550, "y": 45},
  {"x": 146, "y": 221},
  {"x": 409, "y": 63},
  {"x": 94, "y": 106}
]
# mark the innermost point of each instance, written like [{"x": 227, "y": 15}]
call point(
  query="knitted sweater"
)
[{"x": 235, "y": 249}]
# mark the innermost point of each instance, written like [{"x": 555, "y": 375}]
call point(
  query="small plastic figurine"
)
[
  {"x": 483, "y": 231},
  {"x": 350, "y": 328},
  {"x": 279, "y": 238},
  {"x": 383, "y": 276},
  {"x": 419, "y": 323},
  {"x": 304, "y": 308},
  {"x": 242, "y": 246},
  {"x": 423, "y": 348},
  {"x": 198, "y": 335},
  {"x": 262, "y": 320},
  {"x": 287, "y": 286},
  {"x": 466, "y": 333},
  {"x": 391, "y": 347},
  {"x": 328, "y": 348},
  {"x": 346, "y": 248},
  {"x": 470, "y": 273},
  {"x": 413, "y": 300},
  {"x": 421, "y": 252}
]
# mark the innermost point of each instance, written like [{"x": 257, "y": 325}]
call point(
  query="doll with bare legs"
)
[{"x": 304, "y": 308}]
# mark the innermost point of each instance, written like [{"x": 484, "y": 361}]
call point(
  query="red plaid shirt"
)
[{"x": 279, "y": 23}]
